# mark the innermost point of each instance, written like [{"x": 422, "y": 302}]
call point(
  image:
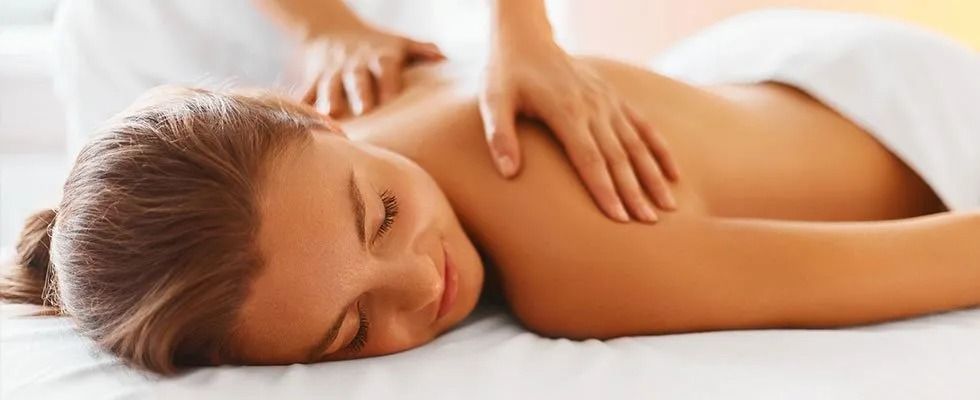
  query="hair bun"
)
[
  {"x": 34, "y": 246},
  {"x": 33, "y": 280}
]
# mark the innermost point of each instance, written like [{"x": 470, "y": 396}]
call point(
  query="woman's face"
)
[{"x": 353, "y": 236}]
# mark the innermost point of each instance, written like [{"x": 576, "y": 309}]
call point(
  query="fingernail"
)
[
  {"x": 671, "y": 203},
  {"x": 506, "y": 165},
  {"x": 620, "y": 213},
  {"x": 321, "y": 105},
  {"x": 647, "y": 213}
]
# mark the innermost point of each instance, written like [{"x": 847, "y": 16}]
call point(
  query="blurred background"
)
[{"x": 34, "y": 140}]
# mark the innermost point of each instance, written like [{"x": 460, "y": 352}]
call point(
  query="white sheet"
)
[{"x": 490, "y": 357}]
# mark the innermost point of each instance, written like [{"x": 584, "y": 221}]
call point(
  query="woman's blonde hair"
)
[{"x": 152, "y": 248}]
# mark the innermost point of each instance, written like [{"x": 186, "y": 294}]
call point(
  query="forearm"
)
[
  {"x": 708, "y": 273},
  {"x": 311, "y": 17},
  {"x": 833, "y": 274},
  {"x": 855, "y": 273}
]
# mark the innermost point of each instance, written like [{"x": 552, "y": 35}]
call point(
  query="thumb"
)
[
  {"x": 424, "y": 51},
  {"x": 497, "y": 112}
]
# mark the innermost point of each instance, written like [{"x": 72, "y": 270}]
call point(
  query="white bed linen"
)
[{"x": 490, "y": 357}]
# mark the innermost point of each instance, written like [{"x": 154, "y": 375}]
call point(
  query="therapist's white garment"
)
[
  {"x": 111, "y": 51},
  {"x": 915, "y": 91}
]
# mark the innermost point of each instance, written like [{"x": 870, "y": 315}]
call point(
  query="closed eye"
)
[{"x": 360, "y": 338}]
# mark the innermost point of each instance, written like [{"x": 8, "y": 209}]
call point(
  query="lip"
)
[{"x": 450, "y": 284}]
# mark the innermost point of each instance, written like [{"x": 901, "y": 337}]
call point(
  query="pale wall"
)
[{"x": 637, "y": 29}]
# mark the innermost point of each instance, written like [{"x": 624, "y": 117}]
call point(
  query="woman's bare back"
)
[{"x": 761, "y": 151}]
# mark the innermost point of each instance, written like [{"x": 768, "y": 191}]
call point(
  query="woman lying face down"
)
[{"x": 208, "y": 228}]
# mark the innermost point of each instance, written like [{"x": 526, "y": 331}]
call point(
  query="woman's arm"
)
[{"x": 704, "y": 273}]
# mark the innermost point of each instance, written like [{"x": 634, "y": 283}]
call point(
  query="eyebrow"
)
[{"x": 357, "y": 203}]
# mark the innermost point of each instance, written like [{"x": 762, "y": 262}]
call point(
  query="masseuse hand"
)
[
  {"x": 617, "y": 154},
  {"x": 353, "y": 69}
]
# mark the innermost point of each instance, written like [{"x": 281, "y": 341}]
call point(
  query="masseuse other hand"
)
[
  {"x": 351, "y": 70},
  {"x": 617, "y": 154}
]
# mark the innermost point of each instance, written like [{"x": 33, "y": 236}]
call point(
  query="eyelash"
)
[
  {"x": 390, "y": 202},
  {"x": 360, "y": 338}
]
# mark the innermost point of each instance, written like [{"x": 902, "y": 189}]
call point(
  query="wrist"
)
[
  {"x": 524, "y": 45},
  {"x": 335, "y": 26},
  {"x": 523, "y": 36},
  {"x": 520, "y": 21},
  {"x": 523, "y": 39}
]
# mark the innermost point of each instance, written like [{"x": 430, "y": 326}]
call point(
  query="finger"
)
[
  {"x": 646, "y": 167},
  {"x": 618, "y": 162},
  {"x": 330, "y": 96},
  {"x": 314, "y": 64},
  {"x": 305, "y": 92},
  {"x": 497, "y": 112},
  {"x": 359, "y": 88},
  {"x": 425, "y": 51},
  {"x": 338, "y": 99},
  {"x": 387, "y": 73},
  {"x": 584, "y": 153},
  {"x": 656, "y": 143}
]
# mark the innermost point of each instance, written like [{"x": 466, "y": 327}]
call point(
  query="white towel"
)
[{"x": 916, "y": 91}]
